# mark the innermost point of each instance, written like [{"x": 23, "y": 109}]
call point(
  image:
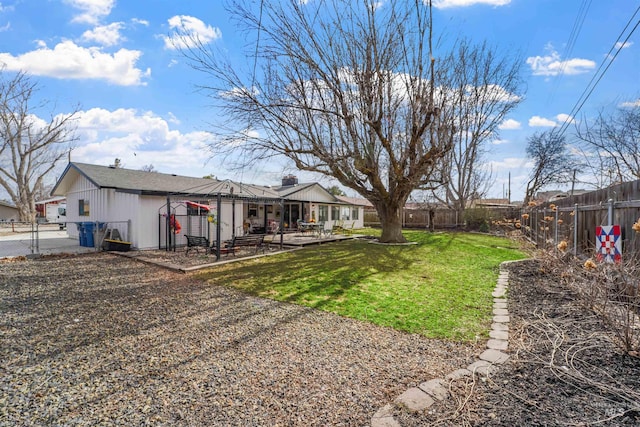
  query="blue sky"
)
[{"x": 138, "y": 100}]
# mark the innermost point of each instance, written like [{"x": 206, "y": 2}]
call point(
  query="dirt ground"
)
[{"x": 564, "y": 368}]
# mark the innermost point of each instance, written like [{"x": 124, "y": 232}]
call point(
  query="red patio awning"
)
[{"x": 198, "y": 205}]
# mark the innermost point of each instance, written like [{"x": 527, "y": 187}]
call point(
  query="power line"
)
[
  {"x": 573, "y": 36},
  {"x": 255, "y": 57},
  {"x": 586, "y": 93}
]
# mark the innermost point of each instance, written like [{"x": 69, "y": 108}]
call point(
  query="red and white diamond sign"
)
[{"x": 609, "y": 243}]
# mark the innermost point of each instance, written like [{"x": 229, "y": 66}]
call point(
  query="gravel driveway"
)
[{"x": 102, "y": 340}]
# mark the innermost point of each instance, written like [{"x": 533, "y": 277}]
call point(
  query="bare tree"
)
[
  {"x": 348, "y": 89},
  {"x": 30, "y": 147},
  {"x": 611, "y": 145},
  {"x": 42, "y": 191},
  {"x": 483, "y": 92},
  {"x": 148, "y": 168},
  {"x": 552, "y": 162}
]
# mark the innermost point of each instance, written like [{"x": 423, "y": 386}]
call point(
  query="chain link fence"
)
[{"x": 35, "y": 239}]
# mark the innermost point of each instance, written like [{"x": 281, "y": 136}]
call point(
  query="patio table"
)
[{"x": 315, "y": 227}]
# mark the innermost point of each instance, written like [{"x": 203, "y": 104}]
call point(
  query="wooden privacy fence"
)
[
  {"x": 418, "y": 218},
  {"x": 574, "y": 219},
  {"x": 443, "y": 218}
]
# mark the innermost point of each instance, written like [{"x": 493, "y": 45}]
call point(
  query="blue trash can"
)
[
  {"x": 88, "y": 230},
  {"x": 81, "y": 234}
]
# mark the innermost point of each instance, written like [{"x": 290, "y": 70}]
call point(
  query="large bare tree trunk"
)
[{"x": 391, "y": 222}]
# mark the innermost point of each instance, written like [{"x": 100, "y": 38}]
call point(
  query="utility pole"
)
[{"x": 509, "y": 190}]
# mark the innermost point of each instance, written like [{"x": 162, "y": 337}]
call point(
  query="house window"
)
[
  {"x": 354, "y": 214},
  {"x": 335, "y": 213},
  {"x": 253, "y": 210},
  {"x": 323, "y": 213},
  {"x": 83, "y": 207},
  {"x": 346, "y": 213}
]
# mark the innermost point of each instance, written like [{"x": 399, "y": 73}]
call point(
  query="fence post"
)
[
  {"x": 34, "y": 238},
  {"x": 544, "y": 229},
  {"x": 534, "y": 223},
  {"x": 610, "y": 212},
  {"x": 555, "y": 230},
  {"x": 575, "y": 230}
]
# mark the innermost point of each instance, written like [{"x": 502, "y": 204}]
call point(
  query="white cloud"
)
[
  {"x": 5, "y": 27},
  {"x": 631, "y": 104},
  {"x": 553, "y": 65},
  {"x": 138, "y": 138},
  {"x": 70, "y": 61},
  {"x": 508, "y": 163},
  {"x": 443, "y": 4},
  {"x": 509, "y": 124},
  {"x": 105, "y": 35},
  {"x": 187, "y": 31},
  {"x": 500, "y": 141},
  {"x": 498, "y": 93},
  {"x": 173, "y": 119},
  {"x": 565, "y": 118},
  {"x": 6, "y": 8},
  {"x": 140, "y": 21},
  {"x": 621, "y": 45},
  {"x": 91, "y": 10},
  {"x": 537, "y": 121}
]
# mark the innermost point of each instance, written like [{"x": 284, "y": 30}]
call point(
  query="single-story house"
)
[
  {"x": 8, "y": 212},
  {"x": 145, "y": 206}
]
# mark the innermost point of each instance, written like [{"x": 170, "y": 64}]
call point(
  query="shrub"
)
[
  {"x": 611, "y": 290},
  {"x": 477, "y": 219}
]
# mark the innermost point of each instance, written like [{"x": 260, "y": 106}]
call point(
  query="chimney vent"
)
[{"x": 288, "y": 180}]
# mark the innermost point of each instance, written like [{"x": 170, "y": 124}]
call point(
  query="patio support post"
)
[
  {"x": 166, "y": 223},
  {"x": 281, "y": 222},
  {"x": 218, "y": 226},
  {"x": 264, "y": 216},
  {"x": 233, "y": 217}
]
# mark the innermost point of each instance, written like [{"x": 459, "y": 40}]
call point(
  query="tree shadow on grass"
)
[{"x": 329, "y": 271}]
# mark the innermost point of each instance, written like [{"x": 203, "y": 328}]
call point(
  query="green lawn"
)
[{"x": 440, "y": 288}]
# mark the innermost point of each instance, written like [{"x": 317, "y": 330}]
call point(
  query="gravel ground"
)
[{"x": 104, "y": 340}]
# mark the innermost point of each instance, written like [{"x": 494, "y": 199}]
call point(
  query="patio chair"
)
[
  {"x": 336, "y": 229},
  {"x": 349, "y": 230},
  {"x": 327, "y": 231}
]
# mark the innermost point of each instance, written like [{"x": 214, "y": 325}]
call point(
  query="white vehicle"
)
[{"x": 57, "y": 214}]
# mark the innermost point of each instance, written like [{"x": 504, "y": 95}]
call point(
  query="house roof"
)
[
  {"x": 287, "y": 190},
  {"x": 291, "y": 192},
  {"x": 56, "y": 199},
  {"x": 155, "y": 183},
  {"x": 359, "y": 201},
  {"x": 7, "y": 204}
]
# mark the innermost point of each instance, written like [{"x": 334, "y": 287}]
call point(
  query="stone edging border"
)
[{"x": 427, "y": 393}]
